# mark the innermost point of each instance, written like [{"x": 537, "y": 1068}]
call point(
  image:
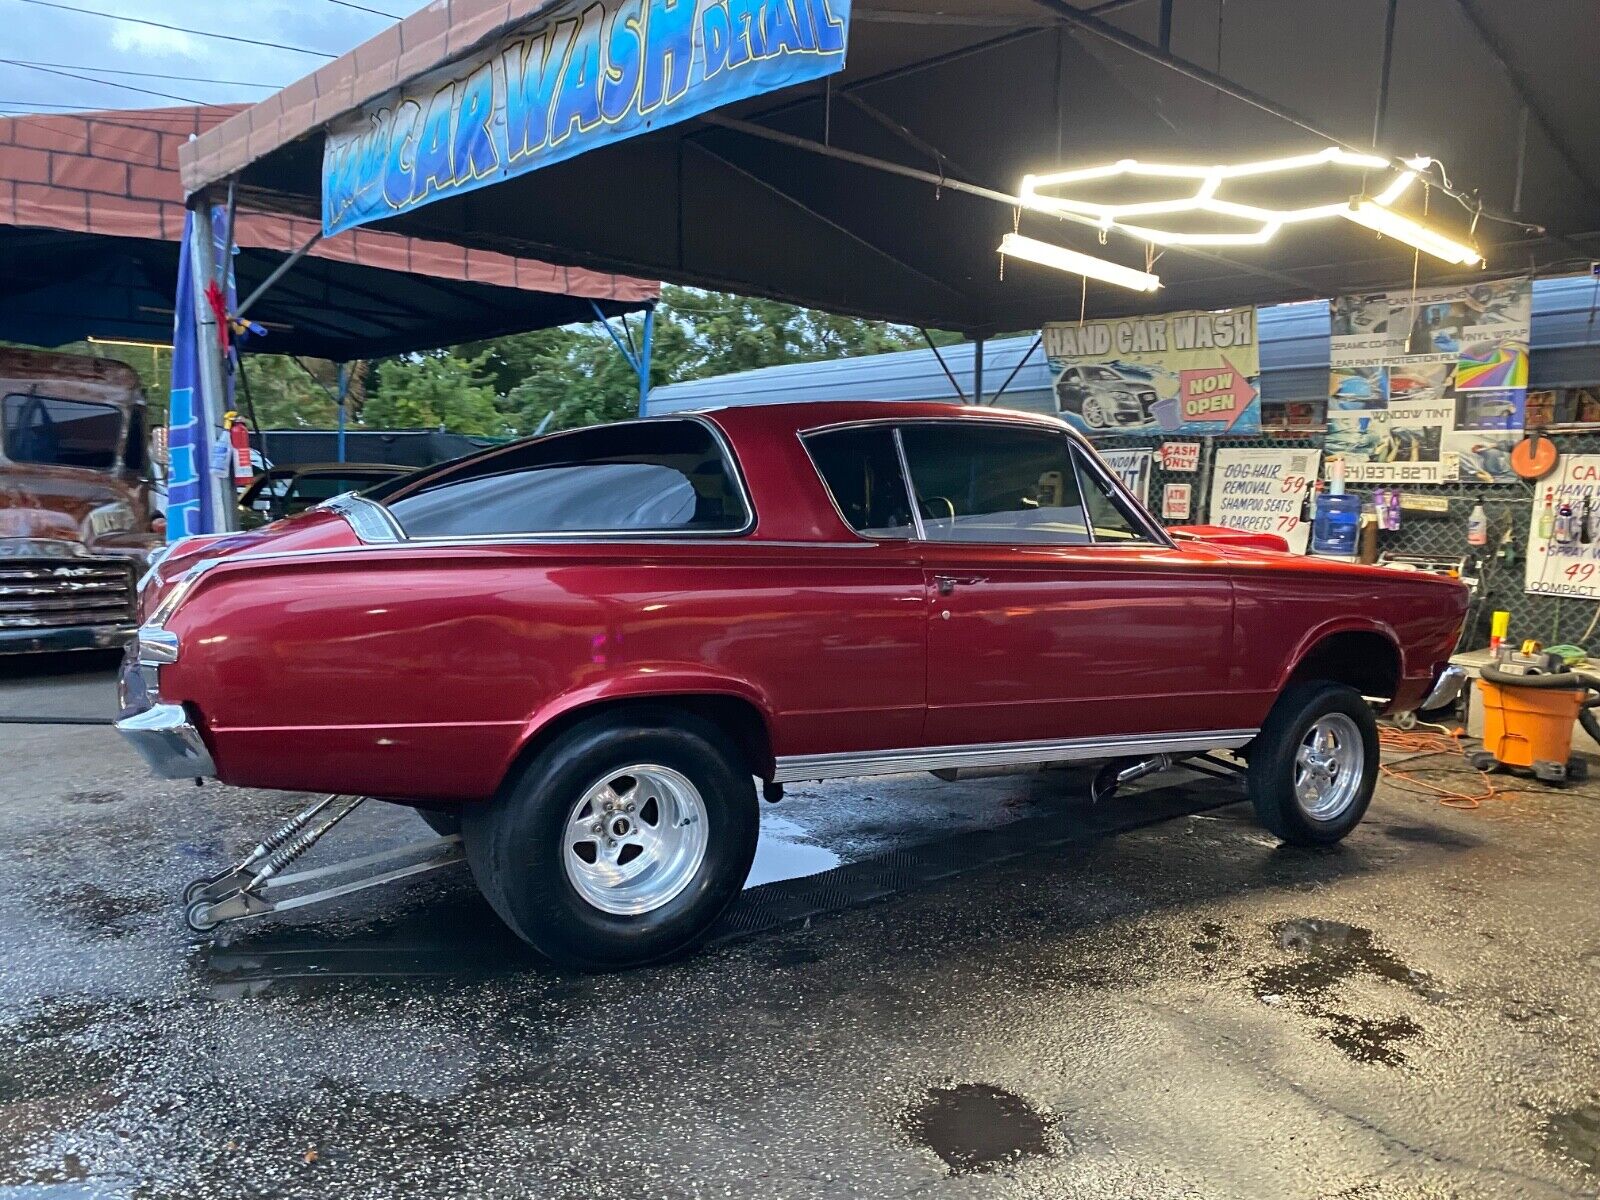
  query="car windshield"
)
[
  {"x": 1102, "y": 375},
  {"x": 61, "y": 433}
]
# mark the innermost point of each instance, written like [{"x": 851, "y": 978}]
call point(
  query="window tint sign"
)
[
  {"x": 1190, "y": 373},
  {"x": 582, "y": 75}
]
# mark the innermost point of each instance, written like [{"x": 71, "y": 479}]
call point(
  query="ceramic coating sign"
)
[
  {"x": 1192, "y": 373},
  {"x": 1263, "y": 491},
  {"x": 584, "y": 74}
]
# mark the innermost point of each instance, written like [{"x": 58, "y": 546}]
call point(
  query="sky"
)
[{"x": 98, "y": 53}]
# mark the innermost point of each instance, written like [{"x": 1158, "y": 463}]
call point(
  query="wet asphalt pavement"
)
[{"x": 979, "y": 989}]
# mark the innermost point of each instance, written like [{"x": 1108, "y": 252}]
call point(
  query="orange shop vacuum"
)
[{"x": 1530, "y": 701}]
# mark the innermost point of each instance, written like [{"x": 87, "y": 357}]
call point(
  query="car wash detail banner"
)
[
  {"x": 1264, "y": 491},
  {"x": 1564, "y": 530},
  {"x": 1186, "y": 373},
  {"x": 1430, "y": 386},
  {"x": 585, "y": 73},
  {"x": 1133, "y": 468}
]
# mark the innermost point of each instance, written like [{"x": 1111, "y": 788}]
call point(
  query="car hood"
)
[{"x": 70, "y": 512}]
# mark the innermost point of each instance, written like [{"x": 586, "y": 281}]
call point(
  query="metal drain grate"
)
[{"x": 790, "y": 901}]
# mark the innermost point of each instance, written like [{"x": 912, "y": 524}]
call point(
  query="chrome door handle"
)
[{"x": 948, "y": 583}]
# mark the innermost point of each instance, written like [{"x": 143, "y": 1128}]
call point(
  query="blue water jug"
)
[{"x": 1336, "y": 523}]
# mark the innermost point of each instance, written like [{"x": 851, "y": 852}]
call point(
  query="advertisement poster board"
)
[
  {"x": 1263, "y": 490},
  {"x": 1188, "y": 373},
  {"x": 1133, "y": 468},
  {"x": 1560, "y": 561},
  {"x": 1429, "y": 386},
  {"x": 1176, "y": 500}
]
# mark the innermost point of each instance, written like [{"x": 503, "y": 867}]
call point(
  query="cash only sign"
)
[{"x": 577, "y": 76}]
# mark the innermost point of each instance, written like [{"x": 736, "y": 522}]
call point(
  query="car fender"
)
[
  {"x": 1341, "y": 624},
  {"x": 645, "y": 682}
]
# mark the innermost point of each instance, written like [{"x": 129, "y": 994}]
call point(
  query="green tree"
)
[{"x": 434, "y": 391}]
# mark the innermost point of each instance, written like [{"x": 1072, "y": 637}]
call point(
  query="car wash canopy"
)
[{"x": 867, "y": 158}]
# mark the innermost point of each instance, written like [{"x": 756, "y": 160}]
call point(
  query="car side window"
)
[
  {"x": 990, "y": 483},
  {"x": 635, "y": 477},
  {"x": 861, "y": 469},
  {"x": 1110, "y": 518}
]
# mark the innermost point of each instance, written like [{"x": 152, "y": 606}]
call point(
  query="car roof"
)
[{"x": 800, "y": 416}]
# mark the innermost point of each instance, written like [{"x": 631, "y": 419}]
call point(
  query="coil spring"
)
[{"x": 290, "y": 852}]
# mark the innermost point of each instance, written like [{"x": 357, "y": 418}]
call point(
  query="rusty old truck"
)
[{"x": 75, "y": 505}]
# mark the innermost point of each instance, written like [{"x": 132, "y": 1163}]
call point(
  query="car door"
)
[
  {"x": 1057, "y": 608},
  {"x": 1070, "y": 391}
]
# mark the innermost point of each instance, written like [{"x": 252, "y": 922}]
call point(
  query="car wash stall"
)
[{"x": 933, "y": 986}]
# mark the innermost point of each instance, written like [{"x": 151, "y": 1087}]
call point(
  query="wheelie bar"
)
[{"x": 242, "y": 892}]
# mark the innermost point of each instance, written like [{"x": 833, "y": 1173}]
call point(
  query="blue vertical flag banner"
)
[
  {"x": 190, "y": 418},
  {"x": 187, "y": 502},
  {"x": 584, "y": 73}
]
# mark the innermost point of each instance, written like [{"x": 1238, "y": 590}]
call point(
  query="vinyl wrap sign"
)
[{"x": 582, "y": 75}]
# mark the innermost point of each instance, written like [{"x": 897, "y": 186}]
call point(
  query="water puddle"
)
[
  {"x": 1575, "y": 1135},
  {"x": 1325, "y": 955},
  {"x": 976, "y": 1127},
  {"x": 785, "y": 852}
]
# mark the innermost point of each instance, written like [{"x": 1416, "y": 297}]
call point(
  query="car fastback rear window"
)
[{"x": 635, "y": 477}]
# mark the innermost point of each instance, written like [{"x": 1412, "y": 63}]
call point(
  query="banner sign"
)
[
  {"x": 586, "y": 73},
  {"x": 1133, "y": 468},
  {"x": 1564, "y": 530},
  {"x": 1430, "y": 386},
  {"x": 1183, "y": 457},
  {"x": 1190, "y": 373},
  {"x": 1175, "y": 501},
  {"x": 1264, "y": 491},
  {"x": 192, "y": 421}
]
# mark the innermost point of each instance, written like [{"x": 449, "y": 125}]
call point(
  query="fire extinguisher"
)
[{"x": 239, "y": 437}]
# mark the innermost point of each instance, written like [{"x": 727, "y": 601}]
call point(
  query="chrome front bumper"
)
[
  {"x": 168, "y": 742},
  {"x": 1446, "y": 689}
]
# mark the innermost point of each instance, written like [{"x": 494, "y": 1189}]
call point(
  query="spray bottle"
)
[
  {"x": 1547, "y": 516},
  {"x": 1566, "y": 524},
  {"x": 1478, "y": 527}
]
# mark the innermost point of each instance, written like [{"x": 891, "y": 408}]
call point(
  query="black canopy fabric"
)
[
  {"x": 788, "y": 196},
  {"x": 63, "y": 286}
]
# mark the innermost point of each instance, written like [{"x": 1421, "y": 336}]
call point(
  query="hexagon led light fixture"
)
[{"x": 1050, "y": 193}]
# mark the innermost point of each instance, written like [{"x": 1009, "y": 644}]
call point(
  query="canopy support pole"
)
[
  {"x": 278, "y": 273},
  {"x": 948, "y": 373},
  {"x": 977, "y": 370},
  {"x": 1001, "y": 390},
  {"x": 644, "y": 358},
  {"x": 344, "y": 395}
]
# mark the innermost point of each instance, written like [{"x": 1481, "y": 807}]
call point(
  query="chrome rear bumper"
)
[
  {"x": 168, "y": 742},
  {"x": 1446, "y": 689}
]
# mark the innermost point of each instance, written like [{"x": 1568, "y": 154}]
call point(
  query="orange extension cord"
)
[{"x": 1420, "y": 744}]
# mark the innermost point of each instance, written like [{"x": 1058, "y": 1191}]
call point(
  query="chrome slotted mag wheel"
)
[
  {"x": 635, "y": 839},
  {"x": 1328, "y": 766}
]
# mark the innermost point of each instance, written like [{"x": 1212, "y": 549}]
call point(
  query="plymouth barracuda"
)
[{"x": 586, "y": 651}]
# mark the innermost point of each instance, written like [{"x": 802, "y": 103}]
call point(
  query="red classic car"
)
[{"x": 587, "y": 646}]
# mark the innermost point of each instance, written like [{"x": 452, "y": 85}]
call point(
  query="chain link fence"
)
[{"x": 1551, "y": 619}]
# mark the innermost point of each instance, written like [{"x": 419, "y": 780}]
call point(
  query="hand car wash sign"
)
[
  {"x": 582, "y": 75},
  {"x": 1191, "y": 373}
]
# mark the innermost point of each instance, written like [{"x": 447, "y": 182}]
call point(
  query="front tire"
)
[
  {"x": 621, "y": 843},
  {"x": 1314, "y": 765}
]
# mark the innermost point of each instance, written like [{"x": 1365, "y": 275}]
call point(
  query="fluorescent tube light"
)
[
  {"x": 1365, "y": 211},
  {"x": 1015, "y": 245}
]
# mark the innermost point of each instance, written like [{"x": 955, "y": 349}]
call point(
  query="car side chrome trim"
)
[
  {"x": 372, "y": 522},
  {"x": 793, "y": 768}
]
